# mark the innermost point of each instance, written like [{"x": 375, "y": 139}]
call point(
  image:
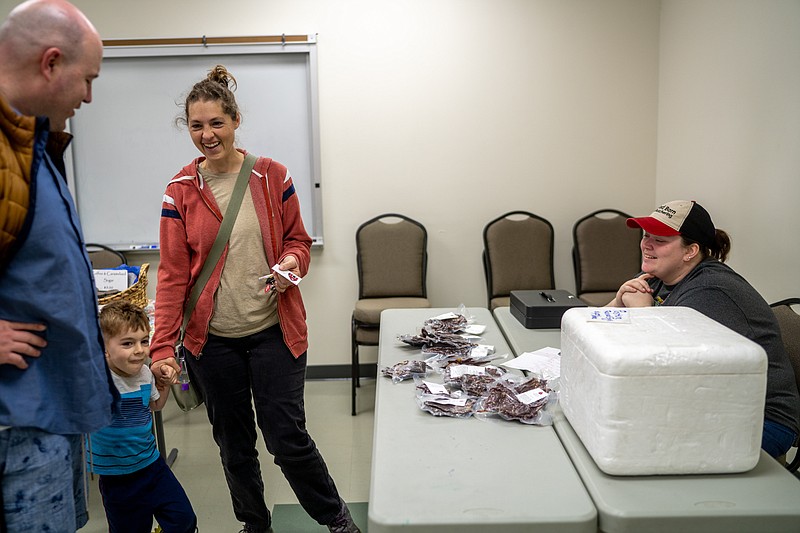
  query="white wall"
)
[
  {"x": 729, "y": 127},
  {"x": 455, "y": 111}
]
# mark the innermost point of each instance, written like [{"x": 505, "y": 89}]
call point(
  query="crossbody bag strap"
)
[{"x": 223, "y": 235}]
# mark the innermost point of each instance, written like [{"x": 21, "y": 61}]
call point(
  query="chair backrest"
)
[
  {"x": 605, "y": 251},
  {"x": 517, "y": 254},
  {"x": 104, "y": 257},
  {"x": 392, "y": 257},
  {"x": 789, "y": 322}
]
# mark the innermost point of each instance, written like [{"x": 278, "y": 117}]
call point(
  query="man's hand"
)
[{"x": 17, "y": 342}]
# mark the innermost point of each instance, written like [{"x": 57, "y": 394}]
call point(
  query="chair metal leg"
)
[
  {"x": 354, "y": 373},
  {"x": 355, "y": 378},
  {"x": 358, "y": 367}
]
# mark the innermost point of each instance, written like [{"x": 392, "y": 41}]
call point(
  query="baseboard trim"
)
[{"x": 368, "y": 370}]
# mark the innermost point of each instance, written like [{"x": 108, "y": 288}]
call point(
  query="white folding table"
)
[{"x": 440, "y": 474}]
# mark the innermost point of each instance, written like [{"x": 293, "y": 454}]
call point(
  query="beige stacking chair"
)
[
  {"x": 605, "y": 254},
  {"x": 392, "y": 260},
  {"x": 104, "y": 257},
  {"x": 789, "y": 322},
  {"x": 517, "y": 254}
]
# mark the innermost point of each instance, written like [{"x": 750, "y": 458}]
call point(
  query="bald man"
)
[{"x": 54, "y": 382}]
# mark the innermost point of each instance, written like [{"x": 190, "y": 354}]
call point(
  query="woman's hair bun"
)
[{"x": 219, "y": 74}]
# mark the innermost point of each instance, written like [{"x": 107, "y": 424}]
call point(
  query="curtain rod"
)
[{"x": 205, "y": 41}]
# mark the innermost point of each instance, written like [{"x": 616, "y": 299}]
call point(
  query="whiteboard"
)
[{"x": 127, "y": 145}]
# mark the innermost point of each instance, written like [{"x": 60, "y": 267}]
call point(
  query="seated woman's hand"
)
[
  {"x": 634, "y": 293},
  {"x": 637, "y": 299}
]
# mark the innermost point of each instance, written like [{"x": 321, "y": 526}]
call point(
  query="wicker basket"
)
[{"x": 136, "y": 293}]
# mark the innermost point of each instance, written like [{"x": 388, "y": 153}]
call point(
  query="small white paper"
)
[
  {"x": 456, "y": 371},
  {"x": 445, "y": 316},
  {"x": 610, "y": 314},
  {"x": 549, "y": 351},
  {"x": 475, "y": 329},
  {"x": 531, "y": 396},
  {"x": 482, "y": 350},
  {"x": 111, "y": 280},
  {"x": 436, "y": 388},
  {"x": 295, "y": 279},
  {"x": 545, "y": 362}
]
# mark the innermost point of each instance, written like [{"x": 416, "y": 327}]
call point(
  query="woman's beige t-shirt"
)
[{"x": 241, "y": 305}]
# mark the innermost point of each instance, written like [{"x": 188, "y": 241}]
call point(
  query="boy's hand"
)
[{"x": 168, "y": 375}]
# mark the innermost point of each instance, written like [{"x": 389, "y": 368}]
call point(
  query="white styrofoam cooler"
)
[{"x": 670, "y": 392}]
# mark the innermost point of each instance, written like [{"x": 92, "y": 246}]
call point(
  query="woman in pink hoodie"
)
[{"x": 246, "y": 342}]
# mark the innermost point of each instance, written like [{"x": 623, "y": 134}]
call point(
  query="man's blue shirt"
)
[{"x": 68, "y": 388}]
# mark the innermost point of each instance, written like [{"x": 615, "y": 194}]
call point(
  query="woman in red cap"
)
[{"x": 683, "y": 257}]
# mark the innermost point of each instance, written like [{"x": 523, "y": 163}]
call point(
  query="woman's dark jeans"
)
[{"x": 230, "y": 372}]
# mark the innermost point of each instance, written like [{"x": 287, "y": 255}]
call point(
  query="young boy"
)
[{"x": 135, "y": 482}]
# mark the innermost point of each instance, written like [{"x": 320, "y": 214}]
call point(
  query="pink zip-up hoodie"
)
[{"x": 190, "y": 220}]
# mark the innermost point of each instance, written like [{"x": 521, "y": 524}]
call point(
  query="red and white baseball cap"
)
[{"x": 679, "y": 217}]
